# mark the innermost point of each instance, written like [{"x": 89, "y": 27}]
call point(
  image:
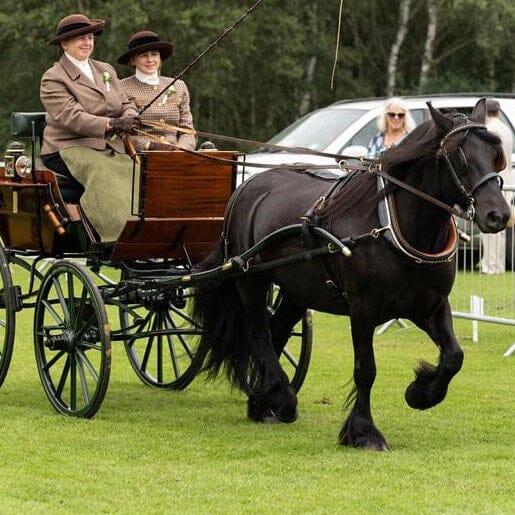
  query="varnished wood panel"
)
[
  {"x": 158, "y": 237},
  {"x": 180, "y": 184}
]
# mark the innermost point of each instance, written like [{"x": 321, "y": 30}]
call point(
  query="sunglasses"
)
[{"x": 396, "y": 115}]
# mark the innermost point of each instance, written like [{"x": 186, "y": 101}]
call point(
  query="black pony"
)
[{"x": 402, "y": 264}]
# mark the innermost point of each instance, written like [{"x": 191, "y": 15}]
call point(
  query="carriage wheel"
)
[
  {"x": 164, "y": 339},
  {"x": 7, "y": 316},
  {"x": 72, "y": 340},
  {"x": 296, "y": 356}
]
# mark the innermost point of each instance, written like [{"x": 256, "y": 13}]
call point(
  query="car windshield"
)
[{"x": 317, "y": 130}]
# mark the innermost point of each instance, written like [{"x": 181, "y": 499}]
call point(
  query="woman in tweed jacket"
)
[{"x": 145, "y": 53}]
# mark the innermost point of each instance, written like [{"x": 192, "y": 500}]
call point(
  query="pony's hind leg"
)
[
  {"x": 359, "y": 429},
  {"x": 270, "y": 396},
  {"x": 430, "y": 385}
]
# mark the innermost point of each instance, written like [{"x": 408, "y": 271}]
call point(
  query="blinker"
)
[{"x": 458, "y": 161}]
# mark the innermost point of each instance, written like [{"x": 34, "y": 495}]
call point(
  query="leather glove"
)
[
  {"x": 156, "y": 145},
  {"x": 125, "y": 123}
]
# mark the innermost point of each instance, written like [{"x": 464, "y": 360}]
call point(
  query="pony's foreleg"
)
[
  {"x": 359, "y": 429},
  {"x": 431, "y": 383}
]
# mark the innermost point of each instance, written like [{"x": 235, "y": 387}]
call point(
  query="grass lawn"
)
[{"x": 151, "y": 451}]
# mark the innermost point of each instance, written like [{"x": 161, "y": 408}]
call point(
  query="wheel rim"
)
[
  {"x": 7, "y": 317},
  {"x": 72, "y": 340},
  {"x": 163, "y": 340},
  {"x": 296, "y": 355}
]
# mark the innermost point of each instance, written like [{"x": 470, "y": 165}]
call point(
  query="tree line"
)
[{"x": 282, "y": 60}]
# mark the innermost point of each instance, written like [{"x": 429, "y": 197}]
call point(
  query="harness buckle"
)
[{"x": 471, "y": 210}]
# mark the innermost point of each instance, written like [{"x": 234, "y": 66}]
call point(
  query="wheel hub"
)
[{"x": 64, "y": 341}]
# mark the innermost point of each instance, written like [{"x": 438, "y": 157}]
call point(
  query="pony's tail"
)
[{"x": 224, "y": 343}]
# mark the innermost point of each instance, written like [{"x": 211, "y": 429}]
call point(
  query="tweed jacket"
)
[
  {"x": 78, "y": 109},
  {"x": 172, "y": 108}
]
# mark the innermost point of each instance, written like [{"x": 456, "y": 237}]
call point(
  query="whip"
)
[{"x": 204, "y": 52}]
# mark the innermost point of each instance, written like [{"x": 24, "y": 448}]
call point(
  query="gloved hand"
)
[
  {"x": 125, "y": 123},
  {"x": 157, "y": 145}
]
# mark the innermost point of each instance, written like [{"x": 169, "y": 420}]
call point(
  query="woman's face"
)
[
  {"x": 395, "y": 116},
  {"x": 147, "y": 62},
  {"x": 79, "y": 47}
]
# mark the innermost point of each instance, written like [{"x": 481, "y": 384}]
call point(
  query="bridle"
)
[{"x": 457, "y": 165}]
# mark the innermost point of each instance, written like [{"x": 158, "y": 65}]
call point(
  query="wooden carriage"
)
[{"x": 178, "y": 200}]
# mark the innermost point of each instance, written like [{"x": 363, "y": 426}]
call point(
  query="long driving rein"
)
[{"x": 456, "y": 162}]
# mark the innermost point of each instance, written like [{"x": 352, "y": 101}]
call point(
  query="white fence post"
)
[{"x": 476, "y": 308}]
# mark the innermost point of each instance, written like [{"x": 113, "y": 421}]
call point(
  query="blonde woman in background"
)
[{"x": 394, "y": 123}]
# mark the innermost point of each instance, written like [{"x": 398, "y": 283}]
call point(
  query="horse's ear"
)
[
  {"x": 479, "y": 112},
  {"x": 440, "y": 119}
]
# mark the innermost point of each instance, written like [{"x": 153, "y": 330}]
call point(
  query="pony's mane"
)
[{"x": 420, "y": 145}]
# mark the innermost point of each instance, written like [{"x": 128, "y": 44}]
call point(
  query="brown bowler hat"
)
[
  {"x": 143, "y": 42},
  {"x": 76, "y": 25}
]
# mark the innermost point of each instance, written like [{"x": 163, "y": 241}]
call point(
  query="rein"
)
[
  {"x": 232, "y": 139},
  {"x": 372, "y": 166}
]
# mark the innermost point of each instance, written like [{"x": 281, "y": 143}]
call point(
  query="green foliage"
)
[{"x": 254, "y": 82}]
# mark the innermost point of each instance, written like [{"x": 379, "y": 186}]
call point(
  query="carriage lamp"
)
[{"x": 17, "y": 165}]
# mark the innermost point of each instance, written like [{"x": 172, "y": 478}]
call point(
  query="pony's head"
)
[
  {"x": 467, "y": 158},
  {"x": 473, "y": 158}
]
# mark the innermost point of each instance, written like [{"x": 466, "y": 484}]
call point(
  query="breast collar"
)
[{"x": 390, "y": 229}]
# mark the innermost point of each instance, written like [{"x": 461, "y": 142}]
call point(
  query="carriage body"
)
[{"x": 68, "y": 275}]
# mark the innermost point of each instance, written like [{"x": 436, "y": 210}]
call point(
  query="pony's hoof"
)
[
  {"x": 413, "y": 397},
  {"x": 370, "y": 442},
  {"x": 270, "y": 418},
  {"x": 376, "y": 446},
  {"x": 421, "y": 398},
  {"x": 367, "y": 444}
]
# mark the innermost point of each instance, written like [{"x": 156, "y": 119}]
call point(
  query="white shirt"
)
[
  {"x": 147, "y": 78},
  {"x": 495, "y": 125},
  {"x": 83, "y": 66}
]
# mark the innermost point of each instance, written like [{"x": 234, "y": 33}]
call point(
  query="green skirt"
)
[{"x": 107, "y": 178}]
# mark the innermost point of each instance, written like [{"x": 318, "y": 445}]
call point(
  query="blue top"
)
[{"x": 376, "y": 146}]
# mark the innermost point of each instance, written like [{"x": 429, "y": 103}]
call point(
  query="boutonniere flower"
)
[
  {"x": 107, "y": 80},
  {"x": 168, "y": 93}
]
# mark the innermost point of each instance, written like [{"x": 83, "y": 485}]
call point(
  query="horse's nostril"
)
[{"x": 497, "y": 220}]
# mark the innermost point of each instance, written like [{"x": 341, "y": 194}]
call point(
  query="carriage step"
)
[{"x": 16, "y": 297}]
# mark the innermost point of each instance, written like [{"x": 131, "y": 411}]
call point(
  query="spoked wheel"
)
[
  {"x": 7, "y": 316},
  {"x": 72, "y": 340},
  {"x": 296, "y": 356},
  {"x": 163, "y": 338}
]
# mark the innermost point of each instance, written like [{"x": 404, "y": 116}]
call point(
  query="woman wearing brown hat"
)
[
  {"x": 87, "y": 114},
  {"x": 145, "y": 53}
]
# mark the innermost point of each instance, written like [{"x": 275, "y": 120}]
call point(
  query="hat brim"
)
[
  {"x": 164, "y": 48},
  {"x": 96, "y": 28}
]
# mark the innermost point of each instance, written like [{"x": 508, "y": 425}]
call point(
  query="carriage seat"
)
[{"x": 31, "y": 125}]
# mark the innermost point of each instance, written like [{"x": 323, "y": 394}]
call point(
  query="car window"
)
[
  {"x": 364, "y": 136},
  {"x": 318, "y": 130}
]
